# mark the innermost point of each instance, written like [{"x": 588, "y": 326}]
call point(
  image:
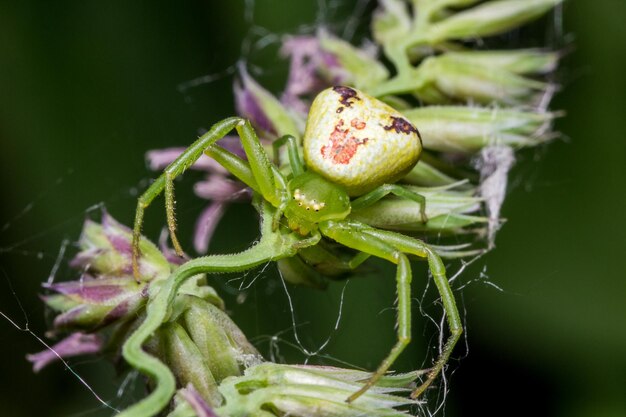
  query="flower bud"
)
[
  {"x": 202, "y": 346},
  {"x": 220, "y": 342},
  {"x": 359, "y": 67},
  {"x": 107, "y": 291},
  {"x": 305, "y": 391},
  {"x": 445, "y": 79},
  {"x": 426, "y": 174},
  {"x": 107, "y": 249},
  {"x": 263, "y": 110},
  {"x": 91, "y": 303},
  {"x": 391, "y": 21},
  {"x": 489, "y": 18},
  {"x": 186, "y": 361},
  {"x": 446, "y": 210},
  {"x": 522, "y": 61},
  {"x": 462, "y": 129}
]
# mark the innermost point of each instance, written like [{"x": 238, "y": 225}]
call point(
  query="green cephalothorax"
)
[
  {"x": 313, "y": 200},
  {"x": 355, "y": 146}
]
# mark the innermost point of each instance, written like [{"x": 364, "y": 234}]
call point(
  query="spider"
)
[{"x": 355, "y": 150}]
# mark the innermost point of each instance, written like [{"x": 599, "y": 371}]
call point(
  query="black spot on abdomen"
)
[{"x": 346, "y": 94}]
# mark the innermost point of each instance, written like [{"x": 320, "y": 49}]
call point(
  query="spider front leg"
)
[
  {"x": 397, "y": 190},
  {"x": 260, "y": 167},
  {"x": 393, "y": 247}
]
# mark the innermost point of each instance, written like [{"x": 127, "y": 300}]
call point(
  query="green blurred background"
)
[{"x": 86, "y": 88}]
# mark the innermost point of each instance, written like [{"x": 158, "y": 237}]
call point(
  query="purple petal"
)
[
  {"x": 121, "y": 244},
  {"x": 161, "y": 158},
  {"x": 304, "y": 53},
  {"x": 84, "y": 258},
  {"x": 196, "y": 401},
  {"x": 89, "y": 291},
  {"x": 71, "y": 317},
  {"x": 75, "y": 344},
  {"x": 246, "y": 103},
  {"x": 119, "y": 235},
  {"x": 219, "y": 189},
  {"x": 109, "y": 224},
  {"x": 206, "y": 224},
  {"x": 306, "y": 60},
  {"x": 233, "y": 144},
  {"x": 120, "y": 310}
]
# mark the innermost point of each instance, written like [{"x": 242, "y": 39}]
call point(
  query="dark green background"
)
[{"x": 87, "y": 87}]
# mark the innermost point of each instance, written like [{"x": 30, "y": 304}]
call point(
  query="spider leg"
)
[
  {"x": 392, "y": 246},
  {"x": 295, "y": 161},
  {"x": 349, "y": 234},
  {"x": 260, "y": 166},
  {"x": 385, "y": 189},
  {"x": 417, "y": 247},
  {"x": 243, "y": 171}
]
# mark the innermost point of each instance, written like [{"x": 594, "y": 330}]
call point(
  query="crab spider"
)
[{"x": 355, "y": 149}]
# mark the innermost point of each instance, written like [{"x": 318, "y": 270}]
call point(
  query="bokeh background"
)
[{"x": 86, "y": 88}]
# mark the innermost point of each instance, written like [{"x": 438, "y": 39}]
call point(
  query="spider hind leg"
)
[{"x": 394, "y": 247}]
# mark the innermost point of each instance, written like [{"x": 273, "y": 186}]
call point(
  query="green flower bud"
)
[
  {"x": 444, "y": 78},
  {"x": 391, "y": 21},
  {"x": 218, "y": 339},
  {"x": 264, "y": 110},
  {"x": 469, "y": 129},
  {"x": 489, "y": 18},
  {"x": 106, "y": 249},
  {"x": 306, "y": 391},
  {"x": 187, "y": 362},
  {"x": 91, "y": 303},
  {"x": 522, "y": 61},
  {"x": 358, "y": 67},
  {"x": 428, "y": 175},
  {"x": 447, "y": 211}
]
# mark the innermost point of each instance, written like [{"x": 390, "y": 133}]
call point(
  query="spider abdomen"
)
[{"x": 357, "y": 141}]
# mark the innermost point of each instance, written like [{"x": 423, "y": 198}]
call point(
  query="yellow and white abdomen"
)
[{"x": 357, "y": 141}]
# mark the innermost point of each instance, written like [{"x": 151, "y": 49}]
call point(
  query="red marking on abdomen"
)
[
  {"x": 357, "y": 124},
  {"x": 343, "y": 145}
]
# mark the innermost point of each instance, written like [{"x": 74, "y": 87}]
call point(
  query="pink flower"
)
[{"x": 307, "y": 63}]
